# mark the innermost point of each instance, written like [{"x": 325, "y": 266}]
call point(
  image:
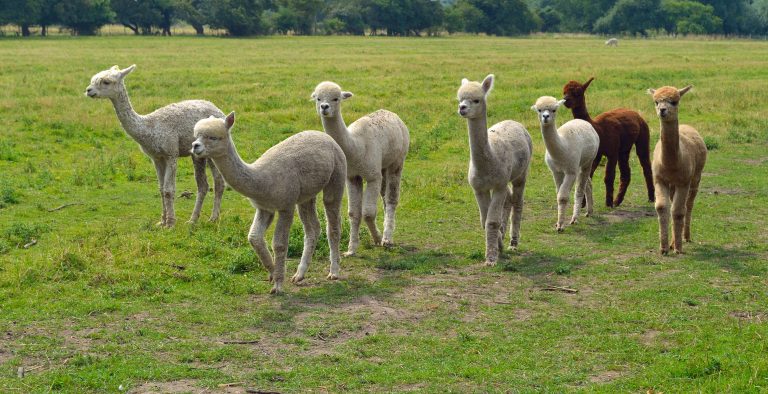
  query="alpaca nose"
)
[
  {"x": 545, "y": 116},
  {"x": 195, "y": 145},
  {"x": 663, "y": 111},
  {"x": 463, "y": 107},
  {"x": 325, "y": 106}
]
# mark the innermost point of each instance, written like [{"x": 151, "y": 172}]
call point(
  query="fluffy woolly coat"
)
[{"x": 618, "y": 129}]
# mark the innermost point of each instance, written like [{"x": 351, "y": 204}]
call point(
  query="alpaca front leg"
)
[
  {"x": 508, "y": 203},
  {"x": 562, "y": 200},
  {"x": 218, "y": 190},
  {"x": 261, "y": 222},
  {"x": 355, "y": 211},
  {"x": 160, "y": 170},
  {"x": 692, "y": 192},
  {"x": 169, "y": 191},
  {"x": 517, "y": 214},
  {"x": 332, "y": 203},
  {"x": 662, "y": 212},
  {"x": 391, "y": 182},
  {"x": 308, "y": 216},
  {"x": 280, "y": 248},
  {"x": 493, "y": 226},
  {"x": 678, "y": 217},
  {"x": 580, "y": 194},
  {"x": 198, "y": 164},
  {"x": 625, "y": 175},
  {"x": 483, "y": 199},
  {"x": 610, "y": 178},
  {"x": 370, "y": 198}
]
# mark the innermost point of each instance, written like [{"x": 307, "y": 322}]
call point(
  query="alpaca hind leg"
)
[
  {"x": 624, "y": 178},
  {"x": 169, "y": 191},
  {"x": 261, "y": 222},
  {"x": 198, "y": 164},
  {"x": 160, "y": 170},
  {"x": 493, "y": 225},
  {"x": 692, "y": 192},
  {"x": 391, "y": 198},
  {"x": 332, "y": 196},
  {"x": 562, "y": 200},
  {"x": 517, "y": 214},
  {"x": 280, "y": 248},
  {"x": 595, "y": 164},
  {"x": 610, "y": 178},
  {"x": 642, "y": 150},
  {"x": 370, "y": 206},
  {"x": 678, "y": 217},
  {"x": 355, "y": 211},
  {"x": 308, "y": 216},
  {"x": 662, "y": 204},
  {"x": 579, "y": 194},
  {"x": 218, "y": 190},
  {"x": 505, "y": 214}
]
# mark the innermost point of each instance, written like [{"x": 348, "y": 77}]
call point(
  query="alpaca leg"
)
[
  {"x": 692, "y": 192},
  {"x": 505, "y": 213},
  {"x": 218, "y": 190},
  {"x": 579, "y": 194},
  {"x": 280, "y": 248},
  {"x": 493, "y": 225},
  {"x": 169, "y": 191},
  {"x": 562, "y": 199},
  {"x": 355, "y": 202},
  {"x": 370, "y": 202},
  {"x": 595, "y": 164},
  {"x": 517, "y": 214},
  {"x": 391, "y": 198},
  {"x": 483, "y": 199},
  {"x": 642, "y": 150},
  {"x": 332, "y": 202},
  {"x": 588, "y": 196},
  {"x": 678, "y": 217},
  {"x": 624, "y": 177},
  {"x": 261, "y": 222},
  {"x": 198, "y": 164},
  {"x": 662, "y": 211},
  {"x": 160, "y": 170},
  {"x": 610, "y": 178},
  {"x": 308, "y": 216}
]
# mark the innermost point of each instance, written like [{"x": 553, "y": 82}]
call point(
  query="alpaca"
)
[
  {"x": 678, "y": 160},
  {"x": 290, "y": 173},
  {"x": 618, "y": 129},
  {"x": 375, "y": 146},
  {"x": 498, "y": 156},
  {"x": 164, "y": 135},
  {"x": 570, "y": 152},
  {"x": 612, "y": 42}
]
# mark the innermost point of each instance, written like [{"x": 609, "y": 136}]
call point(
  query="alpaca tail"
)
[{"x": 642, "y": 148}]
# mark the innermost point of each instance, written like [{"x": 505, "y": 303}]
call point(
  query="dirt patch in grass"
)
[
  {"x": 621, "y": 215},
  {"x": 752, "y": 317},
  {"x": 755, "y": 162},
  {"x": 605, "y": 376},
  {"x": 181, "y": 386},
  {"x": 723, "y": 191}
]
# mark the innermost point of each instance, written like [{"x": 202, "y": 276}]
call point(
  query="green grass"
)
[{"x": 104, "y": 299}]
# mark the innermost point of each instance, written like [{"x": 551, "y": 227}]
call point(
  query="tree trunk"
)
[
  {"x": 43, "y": 30},
  {"x": 199, "y": 29},
  {"x": 133, "y": 28},
  {"x": 25, "y": 31}
]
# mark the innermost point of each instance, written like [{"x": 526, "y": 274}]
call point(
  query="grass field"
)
[{"x": 105, "y": 301}]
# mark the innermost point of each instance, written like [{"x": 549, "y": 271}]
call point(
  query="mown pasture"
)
[{"x": 104, "y": 301}]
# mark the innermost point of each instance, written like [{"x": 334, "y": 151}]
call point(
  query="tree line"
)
[{"x": 394, "y": 17}]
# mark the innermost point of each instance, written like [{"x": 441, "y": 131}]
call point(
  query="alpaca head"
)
[
  {"x": 328, "y": 97},
  {"x": 108, "y": 83},
  {"x": 573, "y": 92},
  {"x": 546, "y": 107},
  {"x": 666, "y": 99},
  {"x": 472, "y": 97},
  {"x": 212, "y": 136}
]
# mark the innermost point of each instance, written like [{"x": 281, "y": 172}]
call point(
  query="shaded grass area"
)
[{"x": 104, "y": 298}]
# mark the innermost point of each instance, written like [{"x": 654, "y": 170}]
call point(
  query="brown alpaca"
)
[
  {"x": 677, "y": 164},
  {"x": 618, "y": 129}
]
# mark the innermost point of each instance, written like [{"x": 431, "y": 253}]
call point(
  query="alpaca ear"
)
[
  {"x": 346, "y": 95},
  {"x": 127, "y": 71},
  {"x": 229, "y": 120},
  {"x": 313, "y": 96},
  {"x": 115, "y": 68},
  {"x": 586, "y": 84},
  {"x": 533, "y": 107},
  {"x": 488, "y": 84},
  {"x": 684, "y": 90},
  {"x": 559, "y": 103},
  {"x": 464, "y": 81},
  {"x": 651, "y": 91}
]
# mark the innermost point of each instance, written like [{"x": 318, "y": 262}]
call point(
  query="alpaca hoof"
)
[
  {"x": 170, "y": 223},
  {"x": 275, "y": 290},
  {"x": 387, "y": 243},
  {"x": 588, "y": 214},
  {"x": 490, "y": 263},
  {"x": 348, "y": 254},
  {"x": 677, "y": 251},
  {"x": 332, "y": 276},
  {"x": 560, "y": 229},
  {"x": 160, "y": 224},
  {"x": 213, "y": 218},
  {"x": 296, "y": 278},
  {"x": 512, "y": 248},
  {"x": 664, "y": 252},
  {"x": 574, "y": 221}
]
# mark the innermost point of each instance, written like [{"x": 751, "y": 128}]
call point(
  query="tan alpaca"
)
[{"x": 677, "y": 164}]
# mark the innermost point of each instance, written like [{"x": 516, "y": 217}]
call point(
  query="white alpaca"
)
[
  {"x": 290, "y": 173},
  {"x": 375, "y": 146},
  {"x": 612, "y": 42},
  {"x": 498, "y": 156},
  {"x": 164, "y": 135},
  {"x": 570, "y": 151}
]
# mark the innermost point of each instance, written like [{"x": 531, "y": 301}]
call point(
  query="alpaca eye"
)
[
  {"x": 476, "y": 101},
  {"x": 105, "y": 82},
  {"x": 318, "y": 99},
  {"x": 336, "y": 99},
  {"x": 674, "y": 103}
]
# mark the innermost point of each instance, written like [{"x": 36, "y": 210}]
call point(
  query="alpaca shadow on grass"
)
[
  {"x": 534, "y": 265},
  {"x": 606, "y": 227},
  {"x": 736, "y": 260}
]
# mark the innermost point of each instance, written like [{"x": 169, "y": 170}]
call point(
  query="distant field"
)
[{"x": 105, "y": 300}]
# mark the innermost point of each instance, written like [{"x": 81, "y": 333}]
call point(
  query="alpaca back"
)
[
  {"x": 384, "y": 136},
  {"x": 581, "y": 138},
  {"x": 510, "y": 139},
  {"x": 628, "y": 125},
  {"x": 175, "y": 122}
]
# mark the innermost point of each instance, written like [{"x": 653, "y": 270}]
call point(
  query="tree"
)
[
  {"x": 84, "y": 17},
  {"x": 195, "y": 12},
  {"x": 505, "y": 17},
  {"x": 463, "y": 16},
  {"x": 631, "y": 16},
  {"x": 238, "y": 17},
  {"x": 137, "y": 15},
  {"x": 550, "y": 19},
  {"x": 24, "y": 13},
  {"x": 690, "y": 17},
  {"x": 349, "y": 15},
  {"x": 305, "y": 12}
]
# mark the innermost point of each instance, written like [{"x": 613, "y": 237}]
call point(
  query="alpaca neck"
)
[
  {"x": 479, "y": 148},
  {"x": 129, "y": 119},
  {"x": 579, "y": 111},
  {"x": 670, "y": 142},
  {"x": 241, "y": 176},
  {"x": 552, "y": 140},
  {"x": 337, "y": 129}
]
